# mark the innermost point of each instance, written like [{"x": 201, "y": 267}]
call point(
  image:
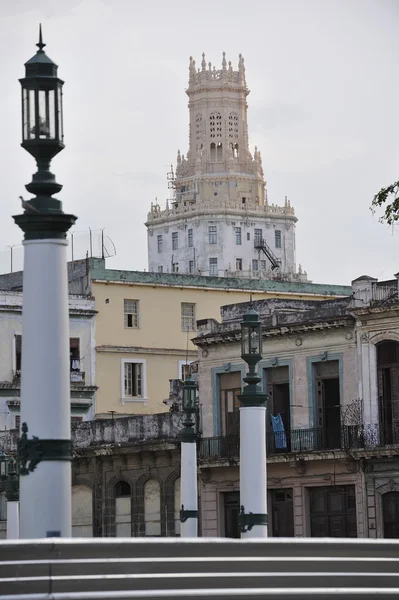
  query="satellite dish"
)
[{"x": 109, "y": 248}]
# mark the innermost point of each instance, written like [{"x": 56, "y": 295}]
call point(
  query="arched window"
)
[
  {"x": 213, "y": 151},
  {"x": 219, "y": 151},
  {"x": 123, "y": 510},
  {"x": 233, "y": 125},
  {"x": 234, "y": 148},
  {"x": 82, "y": 511},
  {"x": 215, "y": 125},
  {"x": 152, "y": 508},
  {"x": 177, "y": 506}
]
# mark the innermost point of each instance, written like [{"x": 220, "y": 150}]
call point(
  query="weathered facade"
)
[
  {"x": 82, "y": 357},
  {"x": 330, "y": 370},
  {"x": 125, "y": 476}
]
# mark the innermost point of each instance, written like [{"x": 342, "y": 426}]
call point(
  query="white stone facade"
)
[
  {"x": 219, "y": 222},
  {"x": 82, "y": 366}
]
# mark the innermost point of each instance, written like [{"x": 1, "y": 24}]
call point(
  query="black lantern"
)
[
  {"x": 189, "y": 395},
  {"x": 9, "y": 475},
  {"x": 42, "y": 134},
  {"x": 251, "y": 337}
]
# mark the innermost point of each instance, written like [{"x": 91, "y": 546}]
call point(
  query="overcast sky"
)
[{"x": 323, "y": 110}]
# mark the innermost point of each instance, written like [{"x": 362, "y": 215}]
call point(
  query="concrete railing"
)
[{"x": 82, "y": 569}]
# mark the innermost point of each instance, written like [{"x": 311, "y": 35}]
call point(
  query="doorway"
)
[
  {"x": 328, "y": 405},
  {"x": 231, "y": 503},
  {"x": 282, "y": 513},
  {"x": 388, "y": 391},
  {"x": 333, "y": 511},
  {"x": 390, "y": 511},
  {"x": 278, "y": 409}
]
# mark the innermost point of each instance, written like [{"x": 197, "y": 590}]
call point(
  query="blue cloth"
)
[{"x": 280, "y": 439}]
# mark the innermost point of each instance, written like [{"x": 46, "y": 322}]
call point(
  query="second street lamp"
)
[
  {"x": 253, "y": 482},
  {"x": 188, "y": 481}
]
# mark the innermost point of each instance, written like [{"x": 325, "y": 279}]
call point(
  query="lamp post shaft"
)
[
  {"x": 188, "y": 487},
  {"x": 253, "y": 493},
  {"x": 45, "y": 387}
]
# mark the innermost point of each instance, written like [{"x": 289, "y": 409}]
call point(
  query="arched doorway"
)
[
  {"x": 390, "y": 511},
  {"x": 123, "y": 509},
  {"x": 388, "y": 390}
]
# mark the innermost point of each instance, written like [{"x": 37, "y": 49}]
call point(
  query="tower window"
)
[
  {"x": 175, "y": 241},
  {"x": 238, "y": 236},
  {"x": 233, "y": 125},
  {"x": 190, "y": 238},
  {"x": 219, "y": 151},
  {"x": 234, "y": 148},
  {"x": 277, "y": 238},
  {"x": 175, "y": 267},
  {"x": 198, "y": 127},
  {"x": 191, "y": 266},
  {"x": 215, "y": 125},
  {"x": 255, "y": 265},
  {"x": 159, "y": 243},
  {"x": 160, "y": 269},
  {"x": 213, "y": 266},
  {"x": 213, "y": 151},
  {"x": 238, "y": 264},
  {"x": 212, "y": 233}
]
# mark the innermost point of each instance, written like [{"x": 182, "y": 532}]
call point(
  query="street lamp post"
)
[
  {"x": 9, "y": 476},
  {"x": 45, "y": 448},
  {"x": 253, "y": 484},
  {"x": 188, "y": 481}
]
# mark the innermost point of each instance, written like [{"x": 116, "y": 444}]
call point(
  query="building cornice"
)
[
  {"x": 234, "y": 336},
  {"x": 227, "y": 284},
  {"x": 145, "y": 350}
]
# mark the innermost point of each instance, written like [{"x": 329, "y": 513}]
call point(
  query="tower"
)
[{"x": 219, "y": 222}]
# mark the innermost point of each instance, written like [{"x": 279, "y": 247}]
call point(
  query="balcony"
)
[
  {"x": 302, "y": 440},
  {"x": 77, "y": 377}
]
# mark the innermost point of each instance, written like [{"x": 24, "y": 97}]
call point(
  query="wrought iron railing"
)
[{"x": 304, "y": 440}]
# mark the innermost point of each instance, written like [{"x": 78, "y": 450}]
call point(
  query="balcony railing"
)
[{"x": 304, "y": 440}]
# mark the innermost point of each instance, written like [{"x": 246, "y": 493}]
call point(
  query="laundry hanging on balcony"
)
[{"x": 280, "y": 439}]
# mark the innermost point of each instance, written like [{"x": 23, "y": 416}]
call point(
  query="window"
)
[
  {"x": 159, "y": 242},
  {"x": 263, "y": 265},
  {"x": 255, "y": 265},
  {"x": 213, "y": 236},
  {"x": 160, "y": 269},
  {"x": 190, "y": 238},
  {"x": 191, "y": 266},
  {"x": 131, "y": 308},
  {"x": 175, "y": 240},
  {"x": 17, "y": 421},
  {"x": 18, "y": 353},
  {"x": 213, "y": 266},
  {"x": 74, "y": 354},
  {"x": 277, "y": 238},
  {"x": 238, "y": 236},
  {"x": 248, "y": 236},
  {"x": 187, "y": 316},
  {"x": 258, "y": 236},
  {"x": 175, "y": 267},
  {"x": 238, "y": 264},
  {"x": 184, "y": 370},
  {"x": 133, "y": 378},
  {"x": 233, "y": 125}
]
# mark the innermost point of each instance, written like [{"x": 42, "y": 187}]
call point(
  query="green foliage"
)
[{"x": 391, "y": 212}]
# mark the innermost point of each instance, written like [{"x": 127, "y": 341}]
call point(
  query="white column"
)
[
  {"x": 12, "y": 520},
  {"x": 253, "y": 481},
  {"x": 45, "y": 493},
  {"x": 188, "y": 487}
]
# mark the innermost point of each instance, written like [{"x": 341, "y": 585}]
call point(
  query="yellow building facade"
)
[{"x": 145, "y": 323}]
